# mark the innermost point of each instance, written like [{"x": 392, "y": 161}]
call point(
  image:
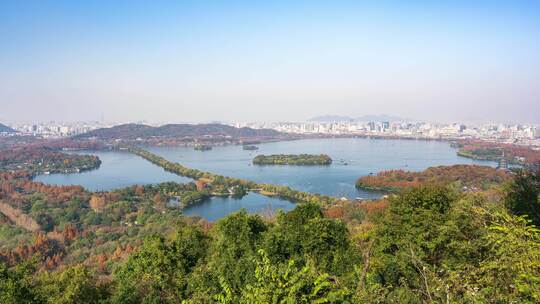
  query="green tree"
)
[
  {"x": 510, "y": 271},
  {"x": 286, "y": 284},
  {"x": 236, "y": 240},
  {"x": 429, "y": 197},
  {"x": 304, "y": 235},
  {"x": 285, "y": 239},
  {"x": 16, "y": 284},
  {"x": 158, "y": 272},
  {"x": 412, "y": 242},
  {"x": 73, "y": 285},
  {"x": 522, "y": 195},
  {"x": 326, "y": 242}
]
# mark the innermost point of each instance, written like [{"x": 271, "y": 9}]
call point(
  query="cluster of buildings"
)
[
  {"x": 514, "y": 133},
  {"x": 517, "y": 133},
  {"x": 56, "y": 129}
]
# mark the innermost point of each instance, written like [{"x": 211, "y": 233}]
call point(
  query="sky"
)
[{"x": 199, "y": 61}]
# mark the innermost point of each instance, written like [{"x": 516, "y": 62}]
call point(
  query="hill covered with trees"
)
[
  {"x": 466, "y": 177},
  {"x": 483, "y": 150},
  {"x": 428, "y": 244},
  {"x": 134, "y": 131}
]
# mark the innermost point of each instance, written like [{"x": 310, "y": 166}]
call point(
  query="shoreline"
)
[{"x": 269, "y": 190}]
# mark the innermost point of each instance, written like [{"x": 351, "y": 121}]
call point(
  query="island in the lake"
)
[
  {"x": 202, "y": 147},
  {"x": 250, "y": 147},
  {"x": 293, "y": 159}
]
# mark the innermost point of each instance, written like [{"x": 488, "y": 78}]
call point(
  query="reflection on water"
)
[
  {"x": 218, "y": 207},
  {"x": 353, "y": 157}
]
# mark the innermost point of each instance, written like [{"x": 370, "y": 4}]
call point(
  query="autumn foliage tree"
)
[{"x": 97, "y": 203}]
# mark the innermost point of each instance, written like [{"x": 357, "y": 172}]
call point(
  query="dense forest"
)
[
  {"x": 293, "y": 159},
  {"x": 133, "y": 131},
  {"x": 45, "y": 160},
  {"x": 464, "y": 177},
  {"x": 483, "y": 150},
  {"x": 180, "y": 134},
  {"x": 430, "y": 243}
]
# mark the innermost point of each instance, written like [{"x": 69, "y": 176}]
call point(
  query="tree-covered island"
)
[
  {"x": 293, "y": 159},
  {"x": 250, "y": 147},
  {"x": 201, "y": 147}
]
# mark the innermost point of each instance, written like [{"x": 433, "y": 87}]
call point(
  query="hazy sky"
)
[{"x": 177, "y": 61}]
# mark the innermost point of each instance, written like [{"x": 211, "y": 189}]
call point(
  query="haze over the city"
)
[{"x": 243, "y": 61}]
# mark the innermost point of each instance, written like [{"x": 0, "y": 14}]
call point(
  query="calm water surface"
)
[
  {"x": 218, "y": 207},
  {"x": 353, "y": 157},
  {"x": 118, "y": 170}
]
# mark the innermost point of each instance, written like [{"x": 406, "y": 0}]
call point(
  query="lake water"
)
[
  {"x": 218, "y": 207},
  {"x": 353, "y": 157},
  {"x": 362, "y": 156},
  {"x": 118, "y": 170}
]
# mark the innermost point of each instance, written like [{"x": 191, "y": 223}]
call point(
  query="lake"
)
[
  {"x": 352, "y": 158},
  {"x": 362, "y": 156},
  {"x": 218, "y": 207},
  {"x": 118, "y": 169}
]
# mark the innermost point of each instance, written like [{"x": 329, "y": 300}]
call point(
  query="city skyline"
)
[{"x": 518, "y": 134}]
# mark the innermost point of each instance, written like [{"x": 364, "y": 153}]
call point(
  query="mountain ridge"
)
[{"x": 133, "y": 131}]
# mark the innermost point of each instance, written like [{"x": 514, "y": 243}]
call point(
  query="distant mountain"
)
[
  {"x": 339, "y": 118},
  {"x": 6, "y": 129},
  {"x": 133, "y": 131}
]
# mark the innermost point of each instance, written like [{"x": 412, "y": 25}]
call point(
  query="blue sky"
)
[{"x": 177, "y": 61}]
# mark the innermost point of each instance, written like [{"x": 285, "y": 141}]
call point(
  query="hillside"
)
[
  {"x": 133, "y": 131},
  {"x": 6, "y": 129},
  {"x": 62, "y": 244},
  {"x": 469, "y": 176},
  {"x": 514, "y": 154}
]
